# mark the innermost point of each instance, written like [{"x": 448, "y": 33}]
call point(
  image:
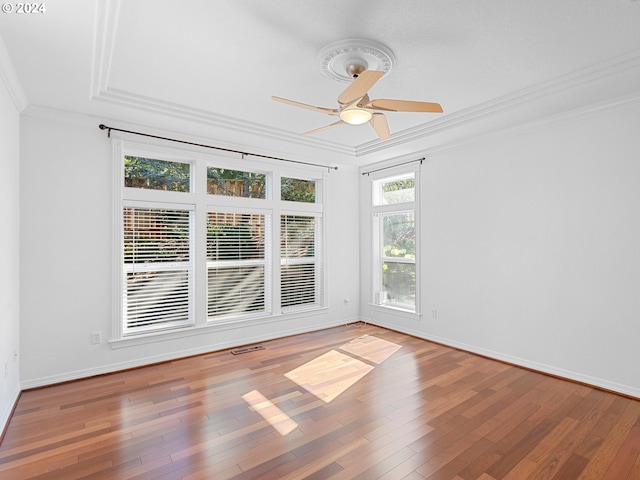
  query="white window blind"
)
[
  {"x": 236, "y": 265},
  {"x": 300, "y": 272},
  {"x": 158, "y": 269}
]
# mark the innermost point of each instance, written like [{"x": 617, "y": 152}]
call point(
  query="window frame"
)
[
  {"x": 265, "y": 262},
  {"x": 315, "y": 260},
  {"x": 383, "y": 259},
  {"x": 201, "y": 203},
  {"x": 379, "y": 210},
  {"x": 163, "y": 267}
]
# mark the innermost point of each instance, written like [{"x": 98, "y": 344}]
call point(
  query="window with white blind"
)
[
  {"x": 237, "y": 271},
  {"x": 158, "y": 268},
  {"x": 300, "y": 273},
  {"x": 201, "y": 244}
]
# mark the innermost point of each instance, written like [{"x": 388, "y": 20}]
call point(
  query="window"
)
[
  {"x": 398, "y": 258},
  {"x": 300, "y": 280},
  {"x": 158, "y": 269},
  {"x": 297, "y": 190},
  {"x": 395, "y": 242},
  {"x": 235, "y": 183},
  {"x": 393, "y": 191},
  {"x": 200, "y": 244},
  {"x": 236, "y": 263},
  {"x": 156, "y": 174}
]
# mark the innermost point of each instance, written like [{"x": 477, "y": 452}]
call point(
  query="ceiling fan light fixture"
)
[{"x": 355, "y": 116}]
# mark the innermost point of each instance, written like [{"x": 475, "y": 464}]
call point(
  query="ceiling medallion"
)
[{"x": 342, "y": 60}]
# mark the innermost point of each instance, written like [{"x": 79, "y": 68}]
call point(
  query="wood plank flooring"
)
[{"x": 342, "y": 403}]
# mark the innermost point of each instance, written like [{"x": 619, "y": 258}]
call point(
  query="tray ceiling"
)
[{"x": 171, "y": 64}]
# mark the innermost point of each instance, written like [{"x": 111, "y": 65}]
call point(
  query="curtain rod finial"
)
[{"x": 102, "y": 126}]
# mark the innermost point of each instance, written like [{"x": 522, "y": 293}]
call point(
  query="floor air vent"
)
[{"x": 252, "y": 348}]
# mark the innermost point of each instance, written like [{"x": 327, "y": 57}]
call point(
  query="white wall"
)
[
  {"x": 530, "y": 244},
  {"x": 9, "y": 255},
  {"x": 66, "y": 260},
  {"x": 531, "y": 248}
]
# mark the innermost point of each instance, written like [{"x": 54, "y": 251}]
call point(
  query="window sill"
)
[
  {"x": 210, "y": 327},
  {"x": 389, "y": 309}
]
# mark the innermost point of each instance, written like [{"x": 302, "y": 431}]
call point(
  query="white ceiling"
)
[{"x": 209, "y": 68}]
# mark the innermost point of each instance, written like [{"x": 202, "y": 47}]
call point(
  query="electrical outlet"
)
[
  {"x": 96, "y": 338},
  {"x": 434, "y": 313}
]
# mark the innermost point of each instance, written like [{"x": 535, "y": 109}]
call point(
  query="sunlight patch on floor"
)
[
  {"x": 270, "y": 412},
  {"x": 373, "y": 349},
  {"x": 328, "y": 375}
]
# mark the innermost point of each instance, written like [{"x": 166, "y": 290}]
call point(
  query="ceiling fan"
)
[{"x": 355, "y": 107}]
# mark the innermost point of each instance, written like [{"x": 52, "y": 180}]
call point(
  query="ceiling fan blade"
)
[
  {"x": 329, "y": 111},
  {"x": 316, "y": 130},
  {"x": 360, "y": 86},
  {"x": 379, "y": 123},
  {"x": 405, "y": 106}
]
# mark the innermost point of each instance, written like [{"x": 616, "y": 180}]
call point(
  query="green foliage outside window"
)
[
  {"x": 232, "y": 242},
  {"x": 399, "y": 281},
  {"x": 395, "y": 185},
  {"x": 155, "y": 235},
  {"x": 154, "y": 174},
  {"x": 297, "y": 190},
  {"x": 235, "y": 183},
  {"x": 399, "y": 242},
  {"x": 397, "y": 191},
  {"x": 399, "y": 236}
]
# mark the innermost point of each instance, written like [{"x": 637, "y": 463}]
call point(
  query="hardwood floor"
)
[{"x": 343, "y": 403}]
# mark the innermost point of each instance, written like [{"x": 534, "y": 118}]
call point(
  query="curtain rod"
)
[
  {"x": 393, "y": 166},
  {"x": 105, "y": 127}
]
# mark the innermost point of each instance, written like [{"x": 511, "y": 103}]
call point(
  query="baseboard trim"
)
[
  {"x": 568, "y": 375},
  {"x": 147, "y": 361},
  {"x": 8, "y": 414}
]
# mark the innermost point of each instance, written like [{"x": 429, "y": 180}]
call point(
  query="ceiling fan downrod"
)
[{"x": 355, "y": 69}]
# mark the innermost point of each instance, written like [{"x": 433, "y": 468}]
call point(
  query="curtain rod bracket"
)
[{"x": 102, "y": 126}]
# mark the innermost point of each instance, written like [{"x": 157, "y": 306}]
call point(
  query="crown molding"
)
[
  {"x": 429, "y": 153},
  {"x": 205, "y": 117},
  {"x": 10, "y": 79},
  {"x": 545, "y": 122},
  {"x": 62, "y": 116},
  {"x": 82, "y": 120},
  {"x": 590, "y": 76}
]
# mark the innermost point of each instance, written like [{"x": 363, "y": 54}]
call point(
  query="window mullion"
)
[{"x": 199, "y": 185}]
